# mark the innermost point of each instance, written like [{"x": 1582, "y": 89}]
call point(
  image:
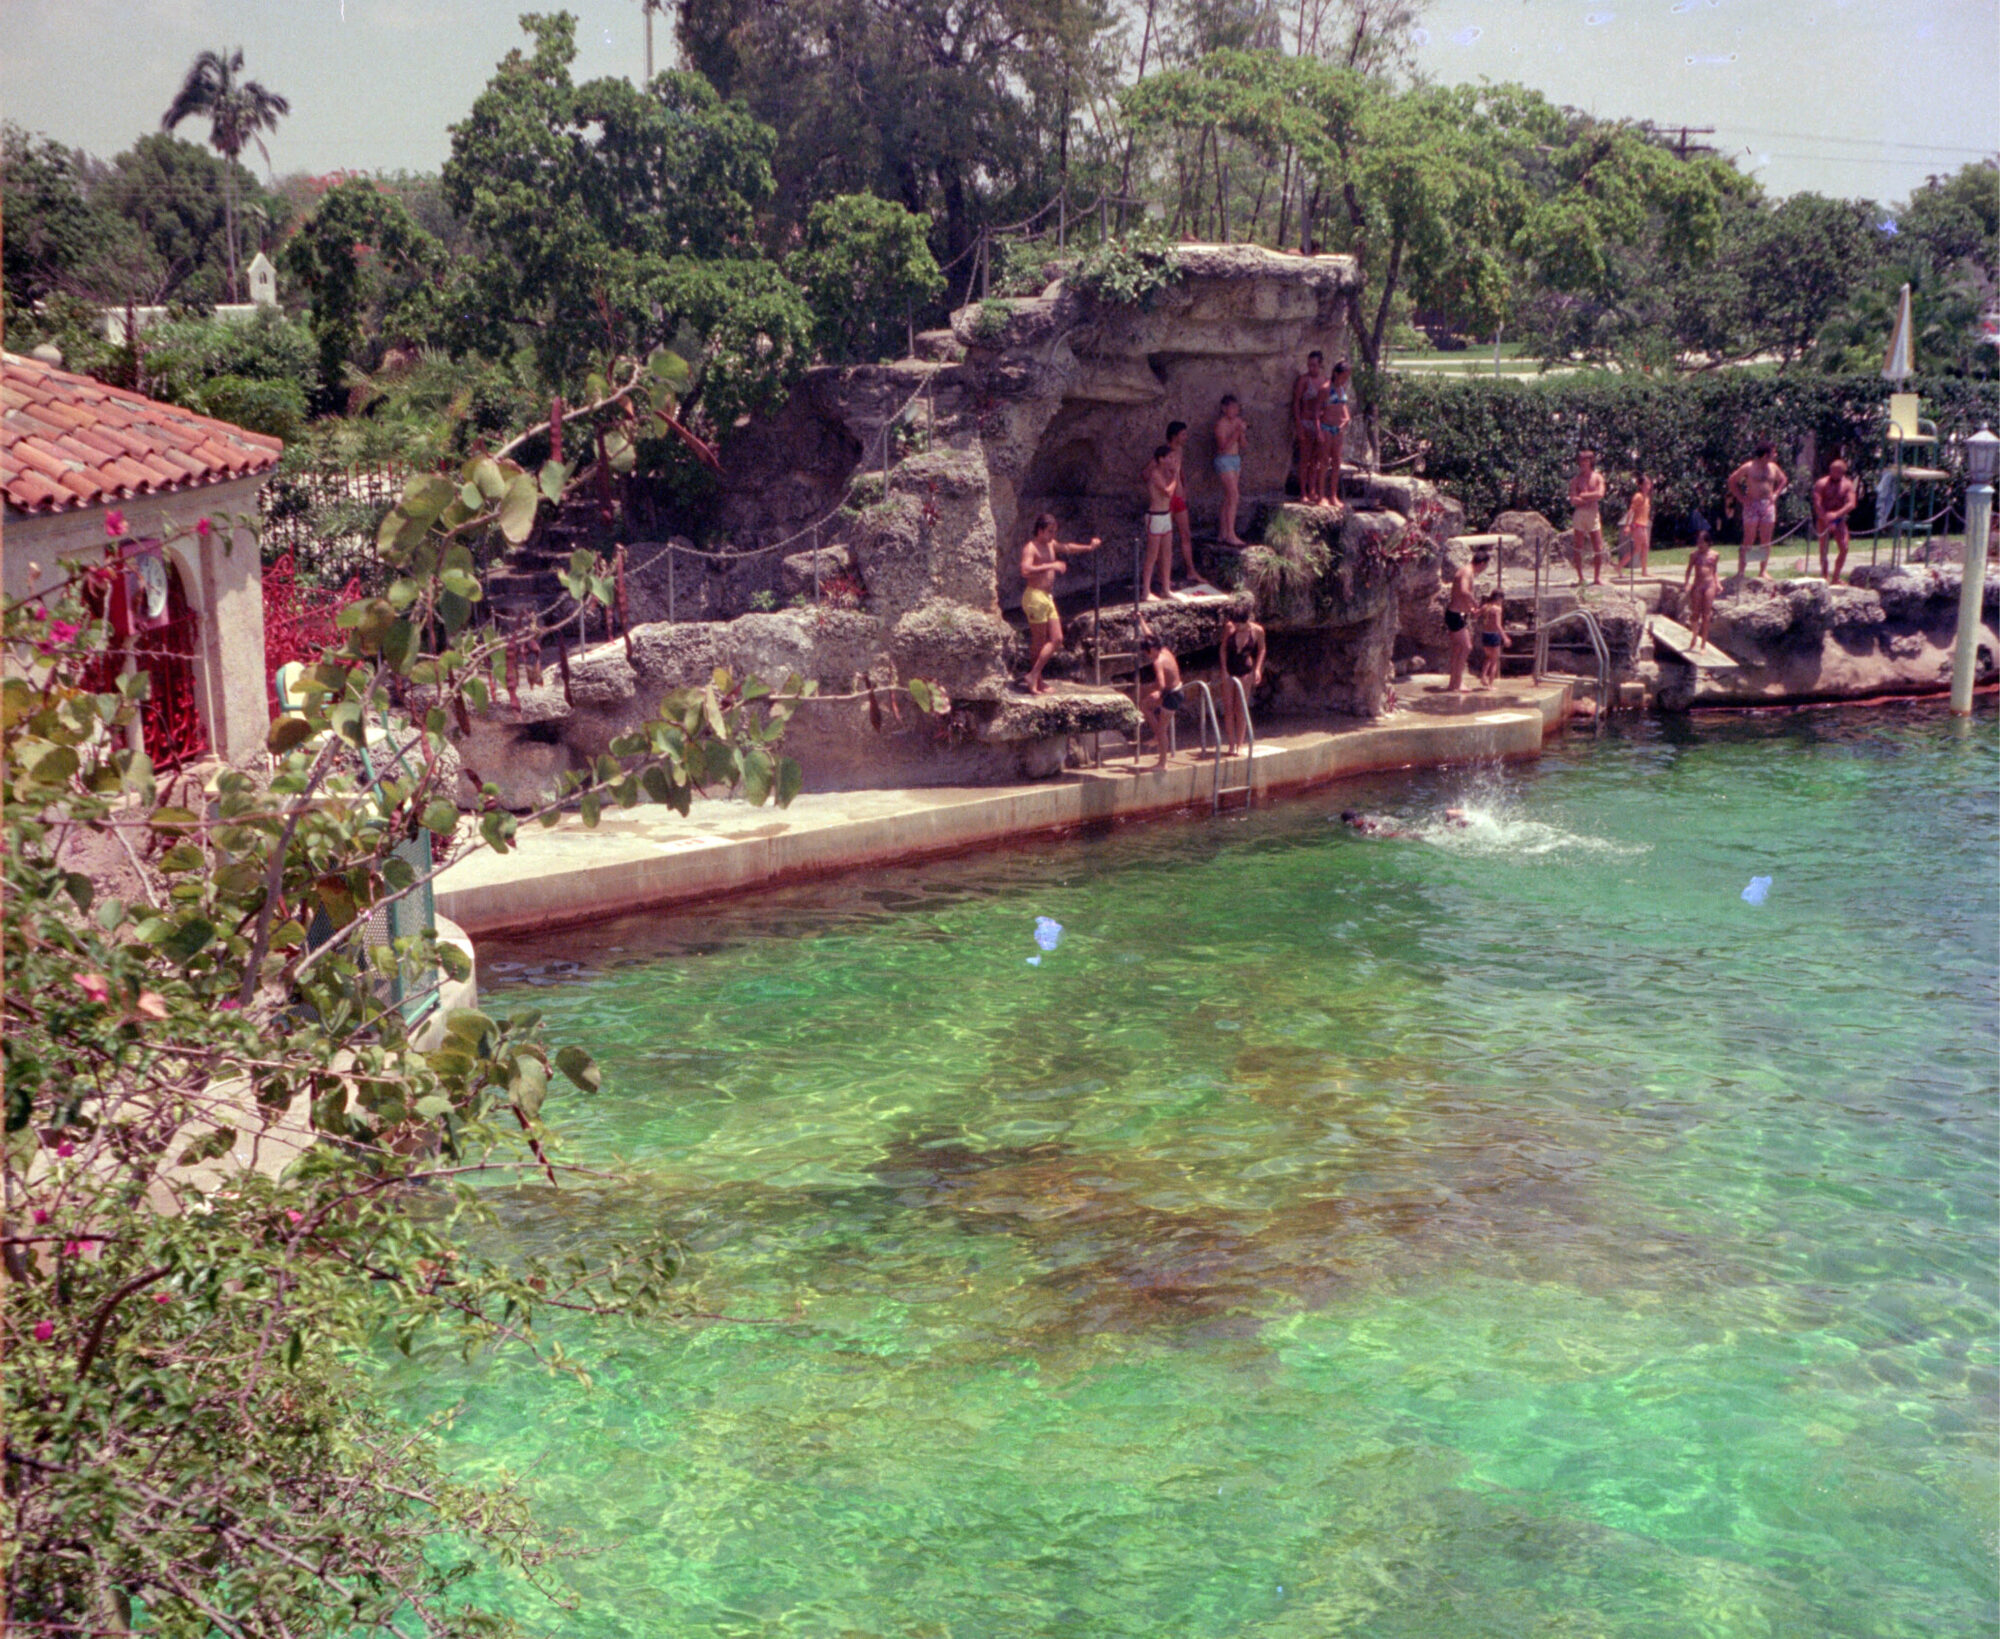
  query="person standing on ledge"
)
[
  {"x": 1041, "y": 562},
  {"x": 1159, "y": 479},
  {"x": 1160, "y": 689},
  {"x": 1492, "y": 637},
  {"x": 1334, "y": 415},
  {"x": 1586, "y": 520},
  {"x": 1229, "y": 434},
  {"x": 1177, "y": 506},
  {"x": 1459, "y": 604},
  {"x": 1833, "y": 498},
  {"x": 1755, "y": 487},
  {"x": 1701, "y": 581},
  {"x": 1309, "y": 390},
  {"x": 1639, "y": 525}
]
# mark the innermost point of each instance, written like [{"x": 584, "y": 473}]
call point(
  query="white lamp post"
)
[{"x": 1982, "y": 461}]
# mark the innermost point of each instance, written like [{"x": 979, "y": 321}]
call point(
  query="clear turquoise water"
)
[{"x": 1506, "y": 1231}]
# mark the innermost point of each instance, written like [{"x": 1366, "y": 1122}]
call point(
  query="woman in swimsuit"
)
[
  {"x": 1160, "y": 689},
  {"x": 1308, "y": 402},
  {"x": 1702, "y": 580},
  {"x": 1242, "y": 657},
  {"x": 1333, "y": 418}
]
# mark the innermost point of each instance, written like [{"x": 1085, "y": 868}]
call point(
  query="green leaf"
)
[
  {"x": 589, "y": 806},
  {"x": 433, "y": 1105},
  {"x": 44, "y": 763},
  {"x": 554, "y": 475},
  {"x": 80, "y": 889},
  {"x": 529, "y": 1086},
  {"x": 670, "y": 370},
  {"x": 441, "y": 817},
  {"x": 517, "y": 510},
  {"x": 487, "y": 478},
  {"x": 454, "y": 611},
  {"x": 791, "y": 780},
  {"x": 462, "y": 582},
  {"x": 287, "y": 733},
  {"x": 578, "y": 1065},
  {"x": 756, "y": 777},
  {"x": 189, "y": 939}
]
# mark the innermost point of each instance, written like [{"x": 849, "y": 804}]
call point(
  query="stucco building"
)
[{"x": 187, "y": 603}]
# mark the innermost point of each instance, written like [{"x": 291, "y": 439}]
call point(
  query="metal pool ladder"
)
[
  {"x": 1211, "y": 742},
  {"x": 1596, "y": 635}
]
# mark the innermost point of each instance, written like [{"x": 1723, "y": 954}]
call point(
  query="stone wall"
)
[{"x": 1054, "y": 401}]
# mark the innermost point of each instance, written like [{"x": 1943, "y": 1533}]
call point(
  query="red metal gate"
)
[
  {"x": 298, "y": 621},
  {"x": 163, "y": 647}
]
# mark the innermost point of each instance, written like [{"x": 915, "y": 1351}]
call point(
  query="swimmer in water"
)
[{"x": 1377, "y": 825}]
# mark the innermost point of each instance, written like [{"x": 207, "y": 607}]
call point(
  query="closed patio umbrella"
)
[{"x": 1900, "y": 365}]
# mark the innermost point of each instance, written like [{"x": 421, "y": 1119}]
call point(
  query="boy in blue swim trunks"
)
[{"x": 1229, "y": 434}]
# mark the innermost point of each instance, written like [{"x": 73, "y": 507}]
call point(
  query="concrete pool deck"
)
[{"x": 648, "y": 857}]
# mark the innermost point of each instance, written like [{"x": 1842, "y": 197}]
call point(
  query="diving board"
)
[{"x": 1679, "y": 642}]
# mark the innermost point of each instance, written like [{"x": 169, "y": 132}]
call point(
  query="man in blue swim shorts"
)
[{"x": 1229, "y": 433}]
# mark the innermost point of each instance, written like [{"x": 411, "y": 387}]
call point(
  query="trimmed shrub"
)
[{"x": 1511, "y": 443}]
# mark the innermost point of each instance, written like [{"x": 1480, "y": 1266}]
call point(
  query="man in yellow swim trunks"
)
[{"x": 1041, "y": 562}]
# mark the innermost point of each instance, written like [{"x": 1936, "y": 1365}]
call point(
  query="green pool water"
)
[{"x": 1499, "y": 1231}]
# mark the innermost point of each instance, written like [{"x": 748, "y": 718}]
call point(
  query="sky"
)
[{"x": 1856, "y": 98}]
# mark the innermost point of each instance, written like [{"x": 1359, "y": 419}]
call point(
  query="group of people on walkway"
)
[{"x": 1752, "y": 492}]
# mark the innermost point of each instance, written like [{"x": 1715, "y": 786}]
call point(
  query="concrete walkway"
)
[{"x": 650, "y": 856}]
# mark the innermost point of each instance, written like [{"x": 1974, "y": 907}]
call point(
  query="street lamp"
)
[{"x": 1982, "y": 462}]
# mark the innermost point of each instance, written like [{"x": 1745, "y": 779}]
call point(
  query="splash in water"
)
[{"x": 1486, "y": 822}]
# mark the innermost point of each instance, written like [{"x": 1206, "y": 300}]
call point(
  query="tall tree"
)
[
  {"x": 238, "y": 111},
  {"x": 613, "y": 217},
  {"x": 359, "y": 257}
]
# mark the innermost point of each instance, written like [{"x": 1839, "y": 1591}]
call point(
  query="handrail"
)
[
  {"x": 1249, "y": 740},
  {"x": 1211, "y": 741},
  {"x": 1596, "y": 634}
]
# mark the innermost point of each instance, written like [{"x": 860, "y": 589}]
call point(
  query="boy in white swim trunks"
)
[
  {"x": 1755, "y": 487},
  {"x": 1041, "y": 562},
  {"x": 1160, "y": 476}
]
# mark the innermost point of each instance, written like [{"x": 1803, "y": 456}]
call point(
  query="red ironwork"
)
[
  {"x": 170, "y": 718},
  {"x": 298, "y": 621}
]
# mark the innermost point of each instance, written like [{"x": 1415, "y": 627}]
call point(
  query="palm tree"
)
[
  {"x": 647, "y": 8},
  {"x": 238, "y": 111}
]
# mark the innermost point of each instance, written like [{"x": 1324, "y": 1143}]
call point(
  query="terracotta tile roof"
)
[{"x": 68, "y": 441}]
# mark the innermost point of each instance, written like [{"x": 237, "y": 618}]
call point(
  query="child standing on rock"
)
[{"x": 1492, "y": 637}]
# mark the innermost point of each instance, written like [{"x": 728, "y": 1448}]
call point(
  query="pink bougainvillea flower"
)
[
  {"x": 228, "y": 1004},
  {"x": 151, "y": 1005},
  {"x": 41, "y": 1215},
  {"x": 65, "y": 1149},
  {"x": 295, "y": 1217},
  {"x": 94, "y": 986},
  {"x": 163, "y": 1297},
  {"x": 44, "y": 1330},
  {"x": 203, "y": 528},
  {"x": 114, "y": 523}
]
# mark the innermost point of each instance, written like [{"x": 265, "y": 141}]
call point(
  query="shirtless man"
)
[
  {"x": 1755, "y": 487},
  {"x": 1333, "y": 418},
  {"x": 1159, "y": 478},
  {"x": 1833, "y": 498},
  {"x": 1586, "y": 522},
  {"x": 1701, "y": 582},
  {"x": 1230, "y": 430},
  {"x": 1160, "y": 689},
  {"x": 1309, "y": 390},
  {"x": 1460, "y": 603},
  {"x": 1041, "y": 562},
  {"x": 1177, "y": 506},
  {"x": 1242, "y": 656}
]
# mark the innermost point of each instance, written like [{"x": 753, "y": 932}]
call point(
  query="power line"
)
[{"x": 1814, "y": 136}]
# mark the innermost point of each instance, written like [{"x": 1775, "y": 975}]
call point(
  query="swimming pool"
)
[{"x": 1506, "y": 1230}]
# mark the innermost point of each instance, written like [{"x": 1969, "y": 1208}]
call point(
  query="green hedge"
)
[{"x": 1512, "y": 443}]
